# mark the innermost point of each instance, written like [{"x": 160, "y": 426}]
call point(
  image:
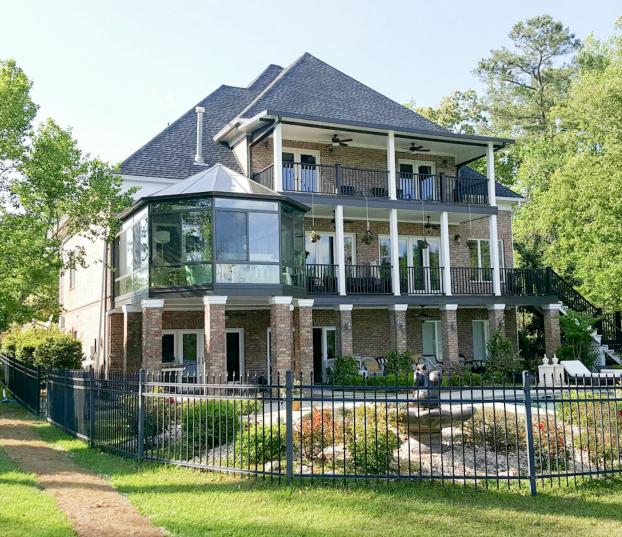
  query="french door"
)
[
  {"x": 182, "y": 347},
  {"x": 417, "y": 179},
  {"x": 419, "y": 259},
  {"x": 300, "y": 170},
  {"x": 324, "y": 349}
]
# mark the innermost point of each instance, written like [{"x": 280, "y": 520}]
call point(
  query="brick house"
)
[{"x": 303, "y": 217}]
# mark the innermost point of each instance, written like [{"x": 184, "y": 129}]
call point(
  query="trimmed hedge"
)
[{"x": 48, "y": 347}]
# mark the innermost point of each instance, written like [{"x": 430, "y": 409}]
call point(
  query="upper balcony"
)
[{"x": 350, "y": 181}]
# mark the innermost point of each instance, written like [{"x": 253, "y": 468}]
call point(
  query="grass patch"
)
[
  {"x": 193, "y": 503},
  {"x": 25, "y": 510}
]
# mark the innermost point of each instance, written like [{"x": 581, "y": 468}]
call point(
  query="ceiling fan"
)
[
  {"x": 335, "y": 141},
  {"x": 414, "y": 148},
  {"x": 429, "y": 225}
]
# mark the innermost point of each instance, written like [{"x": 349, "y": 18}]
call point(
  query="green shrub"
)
[
  {"x": 260, "y": 444},
  {"x": 577, "y": 341},
  {"x": 398, "y": 363},
  {"x": 466, "y": 378},
  {"x": 502, "y": 358},
  {"x": 501, "y": 432},
  {"x": 596, "y": 424},
  {"x": 159, "y": 414},
  {"x": 48, "y": 347},
  {"x": 345, "y": 371},
  {"x": 370, "y": 443},
  {"x": 208, "y": 424}
]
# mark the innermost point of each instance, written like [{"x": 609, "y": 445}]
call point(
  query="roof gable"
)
[{"x": 311, "y": 87}]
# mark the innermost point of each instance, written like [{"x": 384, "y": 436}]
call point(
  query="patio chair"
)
[
  {"x": 576, "y": 370},
  {"x": 372, "y": 367}
]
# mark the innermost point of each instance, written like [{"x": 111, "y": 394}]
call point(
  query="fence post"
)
[
  {"x": 91, "y": 406},
  {"x": 289, "y": 426},
  {"x": 141, "y": 414},
  {"x": 529, "y": 426},
  {"x": 38, "y": 400}
]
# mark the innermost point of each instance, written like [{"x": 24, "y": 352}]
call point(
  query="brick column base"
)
[
  {"x": 132, "y": 338},
  {"x": 152, "y": 334},
  {"x": 449, "y": 336},
  {"x": 552, "y": 332},
  {"x": 215, "y": 342},
  {"x": 282, "y": 340},
  {"x": 303, "y": 339},
  {"x": 114, "y": 360},
  {"x": 345, "y": 329},
  {"x": 399, "y": 335}
]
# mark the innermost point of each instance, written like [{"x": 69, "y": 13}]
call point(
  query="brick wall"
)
[
  {"x": 152, "y": 338},
  {"x": 459, "y": 253},
  {"x": 115, "y": 341},
  {"x": 133, "y": 341},
  {"x": 255, "y": 324},
  {"x": 358, "y": 157}
]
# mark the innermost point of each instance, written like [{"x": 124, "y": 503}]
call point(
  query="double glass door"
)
[
  {"x": 419, "y": 260},
  {"x": 300, "y": 171}
]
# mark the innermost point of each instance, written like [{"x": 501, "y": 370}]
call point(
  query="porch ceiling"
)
[
  {"x": 382, "y": 214},
  {"x": 462, "y": 151}
]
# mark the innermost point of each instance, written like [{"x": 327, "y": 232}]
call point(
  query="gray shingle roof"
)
[
  {"x": 502, "y": 191},
  {"x": 311, "y": 87},
  {"x": 171, "y": 153}
]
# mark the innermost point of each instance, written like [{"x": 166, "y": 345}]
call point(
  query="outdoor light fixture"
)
[
  {"x": 458, "y": 238},
  {"x": 452, "y": 325},
  {"x": 347, "y": 325},
  {"x": 401, "y": 323}
]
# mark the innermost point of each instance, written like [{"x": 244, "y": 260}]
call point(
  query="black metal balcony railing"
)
[
  {"x": 335, "y": 179},
  {"x": 265, "y": 177},
  {"x": 421, "y": 280},
  {"x": 441, "y": 188},
  {"x": 368, "y": 279},
  {"x": 471, "y": 281},
  {"x": 322, "y": 279}
]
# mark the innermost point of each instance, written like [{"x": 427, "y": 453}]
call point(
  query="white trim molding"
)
[
  {"x": 284, "y": 300},
  {"x": 399, "y": 307},
  {"x": 305, "y": 302},
  {"x": 448, "y": 307},
  {"x": 345, "y": 307},
  {"x": 492, "y": 307},
  {"x": 131, "y": 308},
  {"x": 152, "y": 303},
  {"x": 555, "y": 306},
  {"x": 214, "y": 299}
]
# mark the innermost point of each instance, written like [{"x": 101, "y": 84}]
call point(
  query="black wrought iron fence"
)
[
  {"x": 26, "y": 382},
  {"x": 510, "y": 433}
]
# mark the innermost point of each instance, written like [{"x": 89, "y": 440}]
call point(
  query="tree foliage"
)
[{"x": 50, "y": 189}]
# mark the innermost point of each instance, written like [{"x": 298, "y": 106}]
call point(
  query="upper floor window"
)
[
  {"x": 479, "y": 258},
  {"x": 324, "y": 250},
  {"x": 132, "y": 255},
  {"x": 300, "y": 170},
  {"x": 72, "y": 278}
]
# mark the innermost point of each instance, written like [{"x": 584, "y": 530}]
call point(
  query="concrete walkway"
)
[{"x": 92, "y": 505}]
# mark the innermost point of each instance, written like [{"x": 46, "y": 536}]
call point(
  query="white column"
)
[
  {"x": 445, "y": 257},
  {"x": 340, "y": 247},
  {"x": 395, "y": 258},
  {"x": 492, "y": 220},
  {"x": 277, "y": 142},
  {"x": 391, "y": 165}
]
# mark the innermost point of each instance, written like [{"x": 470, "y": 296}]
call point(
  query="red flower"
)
[
  {"x": 541, "y": 426},
  {"x": 620, "y": 412},
  {"x": 171, "y": 400}
]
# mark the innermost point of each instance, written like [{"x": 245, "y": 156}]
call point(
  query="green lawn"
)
[
  {"x": 24, "y": 509},
  {"x": 192, "y": 503}
]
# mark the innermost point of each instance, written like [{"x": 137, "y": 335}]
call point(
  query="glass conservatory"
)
[{"x": 182, "y": 238}]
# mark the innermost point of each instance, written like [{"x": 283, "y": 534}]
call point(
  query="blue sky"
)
[{"x": 119, "y": 71}]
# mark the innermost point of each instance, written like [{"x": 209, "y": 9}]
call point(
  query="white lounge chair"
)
[{"x": 576, "y": 370}]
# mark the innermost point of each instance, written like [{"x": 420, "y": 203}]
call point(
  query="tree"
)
[
  {"x": 524, "y": 84},
  {"x": 49, "y": 189},
  {"x": 574, "y": 216},
  {"x": 460, "y": 111}
]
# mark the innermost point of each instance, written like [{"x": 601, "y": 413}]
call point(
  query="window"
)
[
  {"x": 132, "y": 255},
  {"x": 181, "y": 347},
  {"x": 72, "y": 278},
  {"x": 480, "y": 340},
  {"x": 247, "y": 241},
  {"x": 181, "y": 243},
  {"x": 432, "y": 345},
  {"x": 300, "y": 171},
  {"x": 479, "y": 258},
  {"x": 324, "y": 251}
]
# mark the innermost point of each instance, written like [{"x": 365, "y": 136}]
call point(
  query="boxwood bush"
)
[{"x": 48, "y": 347}]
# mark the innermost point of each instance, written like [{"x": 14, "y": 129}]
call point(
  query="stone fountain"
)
[{"x": 426, "y": 419}]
